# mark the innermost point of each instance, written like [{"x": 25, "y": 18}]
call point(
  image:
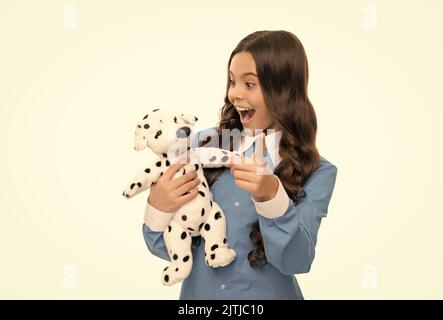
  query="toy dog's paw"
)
[
  {"x": 175, "y": 273},
  {"x": 220, "y": 257},
  {"x": 132, "y": 190}
]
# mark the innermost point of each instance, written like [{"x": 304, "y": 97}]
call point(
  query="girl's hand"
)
[
  {"x": 253, "y": 174},
  {"x": 168, "y": 194}
]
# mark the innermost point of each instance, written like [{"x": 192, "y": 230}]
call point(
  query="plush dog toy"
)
[{"x": 169, "y": 136}]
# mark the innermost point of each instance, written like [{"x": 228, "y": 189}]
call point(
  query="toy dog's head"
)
[{"x": 163, "y": 131}]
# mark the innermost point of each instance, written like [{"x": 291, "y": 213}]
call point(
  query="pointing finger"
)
[{"x": 259, "y": 150}]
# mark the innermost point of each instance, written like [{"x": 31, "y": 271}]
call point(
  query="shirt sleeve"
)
[
  {"x": 155, "y": 219},
  {"x": 290, "y": 239},
  {"x": 155, "y": 222},
  {"x": 155, "y": 243},
  {"x": 274, "y": 207}
]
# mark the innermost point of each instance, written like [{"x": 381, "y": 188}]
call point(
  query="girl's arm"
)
[
  {"x": 155, "y": 222},
  {"x": 290, "y": 237}
]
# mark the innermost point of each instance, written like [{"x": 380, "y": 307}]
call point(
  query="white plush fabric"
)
[{"x": 169, "y": 136}]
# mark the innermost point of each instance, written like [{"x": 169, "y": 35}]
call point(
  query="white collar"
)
[{"x": 272, "y": 142}]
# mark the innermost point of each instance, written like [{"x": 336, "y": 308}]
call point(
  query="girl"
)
[{"x": 273, "y": 218}]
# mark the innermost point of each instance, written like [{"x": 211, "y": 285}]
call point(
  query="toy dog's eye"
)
[{"x": 146, "y": 126}]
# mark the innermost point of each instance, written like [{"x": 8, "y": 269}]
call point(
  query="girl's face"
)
[{"x": 246, "y": 95}]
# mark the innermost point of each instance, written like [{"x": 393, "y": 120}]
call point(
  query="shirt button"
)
[
  {"x": 236, "y": 203},
  {"x": 223, "y": 286}
]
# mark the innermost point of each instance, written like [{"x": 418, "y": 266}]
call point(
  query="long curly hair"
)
[{"x": 282, "y": 70}]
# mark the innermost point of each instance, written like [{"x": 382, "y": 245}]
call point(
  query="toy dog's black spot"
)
[
  {"x": 224, "y": 158},
  {"x": 213, "y": 158},
  {"x": 167, "y": 163},
  {"x": 175, "y": 119},
  {"x": 200, "y": 226},
  {"x": 215, "y": 246},
  {"x": 146, "y": 126},
  {"x": 196, "y": 119},
  {"x": 183, "y": 236},
  {"x": 166, "y": 278},
  {"x": 165, "y": 269},
  {"x": 213, "y": 256},
  {"x": 184, "y": 217},
  {"x": 175, "y": 256},
  {"x": 139, "y": 126},
  {"x": 217, "y": 215},
  {"x": 164, "y": 155},
  {"x": 185, "y": 259},
  {"x": 132, "y": 186},
  {"x": 207, "y": 227},
  {"x": 145, "y": 116},
  {"x": 210, "y": 202},
  {"x": 169, "y": 228},
  {"x": 190, "y": 229},
  {"x": 176, "y": 269},
  {"x": 158, "y": 164},
  {"x": 224, "y": 152},
  {"x": 155, "y": 110},
  {"x": 201, "y": 193},
  {"x": 224, "y": 240},
  {"x": 147, "y": 170},
  {"x": 139, "y": 184},
  {"x": 204, "y": 184},
  {"x": 196, "y": 167},
  {"x": 203, "y": 212},
  {"x": 159, "y": 132}
]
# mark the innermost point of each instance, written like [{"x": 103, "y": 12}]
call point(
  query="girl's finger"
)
[
  {"x": 245, "y": 185},
  {"x": 172, "y": 170},
  {"x": 187, "y": 196},
  {"x": 243, "y": 175},
  {"x": 258, "y": 155},
  {"x": 244, "y": 164},
  {"x": 188, "y": 186}
]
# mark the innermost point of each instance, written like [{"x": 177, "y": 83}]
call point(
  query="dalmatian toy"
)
[{"x": 169, "y": 136}]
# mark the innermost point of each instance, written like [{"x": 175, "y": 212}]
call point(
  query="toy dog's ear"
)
[
  {"x": 189, "y": 119},
  {"x": 140, "y": 142}
]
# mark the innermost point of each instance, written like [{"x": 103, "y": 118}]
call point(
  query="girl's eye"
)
[
  {"x": 250, "y": 84},
  {"x": 231, "y": 83}
]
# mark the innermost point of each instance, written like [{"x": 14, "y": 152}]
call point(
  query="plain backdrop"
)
[{"x": 76, "y": 76}]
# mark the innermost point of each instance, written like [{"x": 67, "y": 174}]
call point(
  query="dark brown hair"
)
[{"x": 282, "y": 70}]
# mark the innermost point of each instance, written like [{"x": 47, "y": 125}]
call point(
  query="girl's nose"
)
[{"x": 236, "y": 94}]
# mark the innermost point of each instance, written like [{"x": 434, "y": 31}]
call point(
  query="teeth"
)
[{"x": 243, "y": 109}]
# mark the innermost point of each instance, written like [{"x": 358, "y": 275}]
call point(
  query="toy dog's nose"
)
[{"x": 183, "y": 132}]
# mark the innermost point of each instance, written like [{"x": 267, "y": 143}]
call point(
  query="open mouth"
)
[{"x": 246, "y": 114}]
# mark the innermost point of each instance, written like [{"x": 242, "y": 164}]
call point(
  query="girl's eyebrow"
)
[{"x": 245, "y": 74}]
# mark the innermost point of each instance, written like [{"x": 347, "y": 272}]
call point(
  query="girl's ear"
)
[{"x": 189, "y": 119}]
